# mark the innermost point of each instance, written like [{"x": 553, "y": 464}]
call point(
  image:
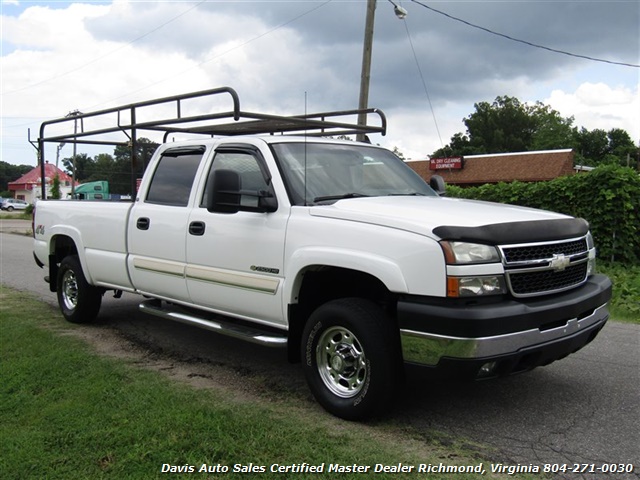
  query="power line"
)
[
  {"x": 585, "y": 57},
  {"x": 210, "y": 59},
  {"x": 253, "y": 39},
  {"x": 424, "y": 83}
]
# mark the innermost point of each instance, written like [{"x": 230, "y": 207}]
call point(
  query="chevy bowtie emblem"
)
[{"x": 559, "y": 262}]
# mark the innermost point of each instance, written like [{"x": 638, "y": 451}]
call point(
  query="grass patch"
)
[
  {"x": 67, "y": 413},
  {"x": 625, "y": 303},
  {"x": 15, "y": 216}
]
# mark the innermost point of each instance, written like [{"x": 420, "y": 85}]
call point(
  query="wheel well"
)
[
  {"x": 321, "y": 284},
  {"x": 61, "y": 247}
]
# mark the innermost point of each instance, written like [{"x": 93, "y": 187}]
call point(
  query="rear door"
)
[
  {"x": 235, "y": 261},
  {"x": 158, "y": 225}
]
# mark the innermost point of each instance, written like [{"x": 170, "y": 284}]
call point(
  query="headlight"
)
[
  {"x": 476, "y": 286},
  {"x": 463, "y": 253}
]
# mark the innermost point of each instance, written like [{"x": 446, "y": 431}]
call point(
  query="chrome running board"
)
[{"x": 249, "y": 334}]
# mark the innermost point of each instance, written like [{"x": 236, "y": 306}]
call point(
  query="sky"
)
[{"x": 287, "y": 57}]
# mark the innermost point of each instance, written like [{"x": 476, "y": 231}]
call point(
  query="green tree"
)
[
  {"x": 143, "y": 153},
  {"x": 116, "y": 172},
  {"x": 10, "y": 173},
  {"x": 508, "y": 125},
  {"x": 128, "y": 167},
  {"x": 55, "y": 187},
  {"x": 592, "y": 146},
  {"x": 117, "y": 169},
  {"x": 622, "y": 147},
  {"x": 504, "y": 126},
  {"x": 552, "y": 131},
  {"x": 83, "y": 166}
]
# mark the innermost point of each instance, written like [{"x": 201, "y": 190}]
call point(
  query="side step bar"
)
[{"x": 253, "y": 335}]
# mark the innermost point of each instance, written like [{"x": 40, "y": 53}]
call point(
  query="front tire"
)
[
  {"x": 78, "y": 300},
  {"x": 350, "y": 358}
]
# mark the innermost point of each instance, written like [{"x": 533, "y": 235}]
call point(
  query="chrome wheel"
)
[
  {"x": 79, "y": 301},
  {"x": 341, "y": 362},
  {"x": 70, "y": 290},
  {"x": 351, "y": 358}
]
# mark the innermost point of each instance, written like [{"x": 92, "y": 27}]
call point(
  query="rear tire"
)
[
  {"x": 78, "y": 300},
  {"x": 350, "y": 358}
]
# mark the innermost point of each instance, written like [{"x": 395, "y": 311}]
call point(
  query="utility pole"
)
[
  {"x": 366, "y": 66},
  {"x": 58, "y": 148},
  {"x": 367, "y": 49}
]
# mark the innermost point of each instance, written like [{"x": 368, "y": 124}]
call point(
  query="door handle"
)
[
  {"x": 143, "y": 223},
  {"x": 197, "y": 228}
]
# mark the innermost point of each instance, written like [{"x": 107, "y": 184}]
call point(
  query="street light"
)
[
  {"x": 400, "y": 12},
  {"x": 365, "y": 77}
]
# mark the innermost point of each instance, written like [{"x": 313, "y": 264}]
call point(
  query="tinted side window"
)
[{"x": 173, "y": 178}]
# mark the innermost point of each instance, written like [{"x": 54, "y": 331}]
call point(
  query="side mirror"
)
[
  {"x": 437, "y": 183},
  {"x": 224, "y": 194}
]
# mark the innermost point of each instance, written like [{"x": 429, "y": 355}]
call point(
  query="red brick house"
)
[
  {"x": 475, "y": 170},
  {"x": 27, "y": 187}
]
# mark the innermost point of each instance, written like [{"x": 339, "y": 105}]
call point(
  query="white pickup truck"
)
[{"x": 337, "y": 251}]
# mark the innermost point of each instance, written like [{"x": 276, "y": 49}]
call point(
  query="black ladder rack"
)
[{"x": 123, "y": 125}]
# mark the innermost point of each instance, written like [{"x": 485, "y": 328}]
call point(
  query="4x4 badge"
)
[{"x": 559, "y": 262}]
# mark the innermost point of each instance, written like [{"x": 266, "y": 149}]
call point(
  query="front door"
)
[{"x": 235, "y": 261}]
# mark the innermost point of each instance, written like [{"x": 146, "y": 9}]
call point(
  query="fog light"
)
[{"x": 487, "y": 369}]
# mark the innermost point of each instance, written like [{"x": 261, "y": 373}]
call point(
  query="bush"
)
[
  {"x": 625, "y": 304},
  {"x": 608, "y": 198}
]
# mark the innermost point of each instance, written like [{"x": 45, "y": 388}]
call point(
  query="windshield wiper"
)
[{"x": 339, "y": 197}]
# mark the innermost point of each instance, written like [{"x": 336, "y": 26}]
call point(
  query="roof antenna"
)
[{"x": 305, "y": 150}]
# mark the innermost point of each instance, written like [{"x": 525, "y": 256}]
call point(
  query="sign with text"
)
[{"x": 448, "y": 163}]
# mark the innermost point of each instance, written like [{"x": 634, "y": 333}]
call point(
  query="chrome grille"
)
[
  {"x": 544, "y": 268},
  {"x": 546, "y": 251},
  {"x": 545, "y": 281}
]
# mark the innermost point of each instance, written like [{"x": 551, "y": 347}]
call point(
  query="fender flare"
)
[
  {"x": 74, "y": 235},
  {"x": 380, "y": 267}
]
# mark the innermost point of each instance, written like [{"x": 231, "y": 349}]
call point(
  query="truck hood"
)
[{"x": 422, "y": 215}]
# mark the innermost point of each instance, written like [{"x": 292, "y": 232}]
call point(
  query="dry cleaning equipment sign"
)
[{"x": 448, "y": 163}]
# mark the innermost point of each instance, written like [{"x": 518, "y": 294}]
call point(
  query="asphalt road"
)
[{"x": 584, "y": 409}]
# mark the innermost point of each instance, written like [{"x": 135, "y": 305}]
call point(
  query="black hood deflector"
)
[{"x": 516, "y": 232}]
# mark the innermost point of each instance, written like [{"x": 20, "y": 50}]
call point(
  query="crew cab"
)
[{"x": 337, "y": 251}]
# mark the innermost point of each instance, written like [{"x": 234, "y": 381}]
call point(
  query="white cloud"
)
[
  {"x": 285, "y": 57},
  {"x": 600, "y": 106},
  {"x": 62, "y": 66}
]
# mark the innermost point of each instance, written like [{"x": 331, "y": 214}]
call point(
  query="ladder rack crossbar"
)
[{"x": 125, "y": 120}]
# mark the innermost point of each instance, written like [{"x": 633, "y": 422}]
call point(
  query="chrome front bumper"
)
[{"x": 428, "y": 349}]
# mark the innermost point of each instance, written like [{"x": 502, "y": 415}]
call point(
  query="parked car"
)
[{"x": 11, "y": 204}]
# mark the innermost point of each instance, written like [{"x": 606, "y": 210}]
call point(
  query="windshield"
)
[{"x": 321, "y": 173}]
